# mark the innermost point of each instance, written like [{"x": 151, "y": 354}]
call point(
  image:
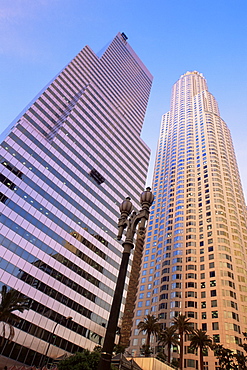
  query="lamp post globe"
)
[
  {"x": 146, "y": 198},
  {"x": 126, "y": 207}
]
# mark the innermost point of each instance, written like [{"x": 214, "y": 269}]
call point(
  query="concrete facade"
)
[{"x": 196, "y": 249}]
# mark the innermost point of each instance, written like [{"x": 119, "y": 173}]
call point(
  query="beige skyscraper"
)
[{"x": 195, "y": 254}]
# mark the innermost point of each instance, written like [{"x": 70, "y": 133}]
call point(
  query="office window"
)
[
  {"x": 135, "y": 341},
  {"x": 176, "y": 286},
  {"x": 214, "y": 303},
  {"x": 215, "y": 326},
  {"x": 191, "y": 314},
  {"x": 213, "y": 283},
  {"x": 213, "y": 293},
  {"x": 214, "y": 314},
  {"x": 190, "y": 363},
  {"x": 216, "y": 338}
]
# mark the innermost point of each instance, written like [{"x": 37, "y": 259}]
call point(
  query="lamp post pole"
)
[{"x": 130, "y": 223}]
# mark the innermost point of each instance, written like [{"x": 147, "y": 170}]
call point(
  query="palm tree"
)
[
  {"x": 169, "y": 337},
  {"x": 150, "y": 325},
  {"x": 182, "y": 325},
  {"x": 11, "y": 301},
  {"x": 201, "y": 340}
]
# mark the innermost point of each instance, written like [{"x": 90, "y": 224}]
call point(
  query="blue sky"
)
[{"x": 39, "y": 37}]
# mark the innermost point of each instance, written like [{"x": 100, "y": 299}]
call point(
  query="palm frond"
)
[{"x": 11, "y": 300}]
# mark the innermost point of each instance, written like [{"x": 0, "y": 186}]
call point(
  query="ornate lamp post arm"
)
[{"x": 131, "y": 224}]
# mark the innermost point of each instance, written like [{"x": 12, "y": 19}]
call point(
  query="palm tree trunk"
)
[
  {"x": 147, "y": 354},
  {"x": 181, "y": 351},
  {"x": 169, "y": 353},
  {"x": 201, "y": 359}
]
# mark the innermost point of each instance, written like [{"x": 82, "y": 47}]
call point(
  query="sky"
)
[{"x": 39, "y": 37}]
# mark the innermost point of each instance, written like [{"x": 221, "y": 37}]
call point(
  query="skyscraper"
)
[
  {"x": 66, "y": 164},
  {"x": 195, "y": 253}
]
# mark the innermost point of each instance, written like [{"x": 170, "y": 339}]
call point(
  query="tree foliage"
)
[
  {"x": 225, "y": 356},
  {"x": 244, "y": 345},
  {"x": 200, "y": 339},
  {"x": 11, "y": 300},
  {"x": 145, "y": 350},
  {"x": 228, "y": 360},
  {"x": 150, "y": 326},
  {"x": 183, "y": 326},
  {"x": 84, "y": 360},
  {"x": 240, "y": 361},
  {"x": 167, "y": 338},
  {"x": 119, "y": 348}
]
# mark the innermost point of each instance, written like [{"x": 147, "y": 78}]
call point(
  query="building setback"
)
[
  {"x": 196, "y": 249},
  {"x": 66, "y": 165}
]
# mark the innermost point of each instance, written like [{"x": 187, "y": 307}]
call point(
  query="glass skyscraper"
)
[
  {"x": 196, "y": 248},
  {"x": 66, "y": 165}
]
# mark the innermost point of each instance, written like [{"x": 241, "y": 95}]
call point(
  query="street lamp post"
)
[
  {"x": 130, "y": 223},
  {"x": 50, "y": 338}
]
